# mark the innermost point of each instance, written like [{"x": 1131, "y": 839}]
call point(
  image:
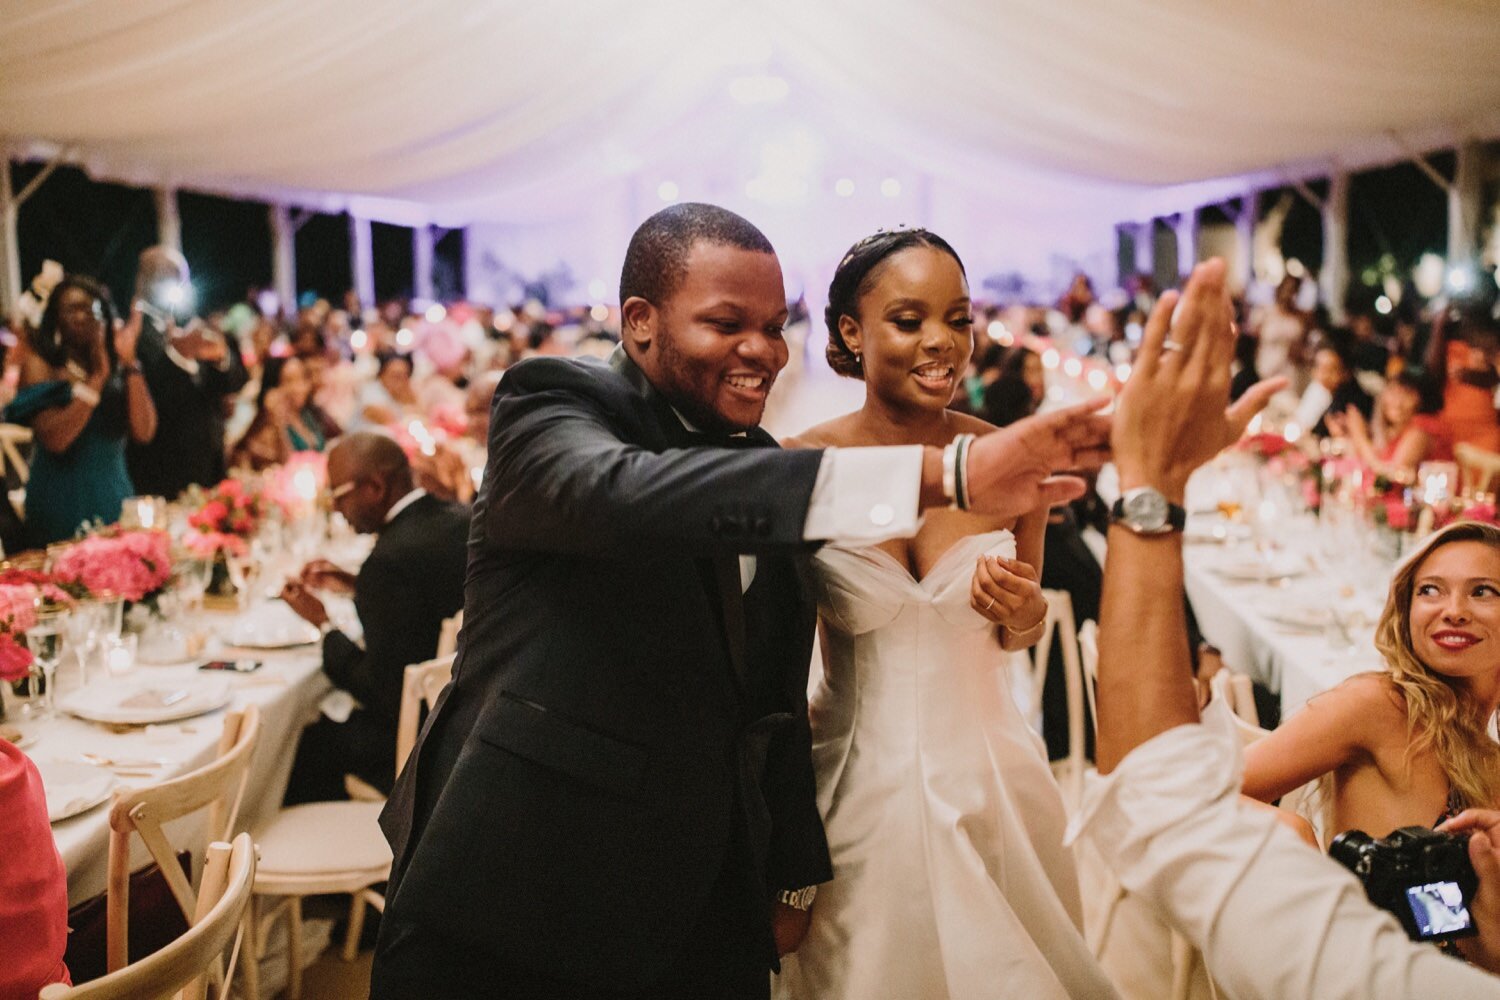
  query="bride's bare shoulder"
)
[{"x": 834, "y": 433}]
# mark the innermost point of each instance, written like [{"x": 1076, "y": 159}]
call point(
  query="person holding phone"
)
[{"x": 190, "y": 370}]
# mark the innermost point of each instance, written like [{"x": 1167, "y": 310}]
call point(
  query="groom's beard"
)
[{"x": 691, "y": 386}]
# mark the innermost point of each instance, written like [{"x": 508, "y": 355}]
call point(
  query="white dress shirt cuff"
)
[
  {"x": 865, "y": 495},
  {"x": 181, "y": 361}
]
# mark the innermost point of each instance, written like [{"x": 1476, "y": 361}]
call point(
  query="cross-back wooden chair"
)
[
  {"x": 217, "y": 786},
  {"x": 1061, "y": 623},
  {"x": 182, "y": 968}
]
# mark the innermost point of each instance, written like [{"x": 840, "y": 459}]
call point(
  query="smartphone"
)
[{"x": 238, "y": 666}]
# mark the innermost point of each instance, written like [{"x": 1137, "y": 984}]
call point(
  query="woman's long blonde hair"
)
[{"x": 1455, "y": 730}]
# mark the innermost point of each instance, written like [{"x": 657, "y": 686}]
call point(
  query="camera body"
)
[{"x": 1422, "y": 877}]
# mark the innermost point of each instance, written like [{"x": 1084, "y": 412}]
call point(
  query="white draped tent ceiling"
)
[{"x": 1046, "y": 119}]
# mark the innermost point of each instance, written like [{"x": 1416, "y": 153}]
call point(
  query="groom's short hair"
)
[{"x": 657, "y": 256}]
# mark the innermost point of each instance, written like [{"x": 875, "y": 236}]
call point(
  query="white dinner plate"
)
[
  {"x": 73, "y": 788},
  {"x": 1301, "y": 616},
  {"x": 272, "y": 625},
  {"x": 140, "y": 701},
  {"x": 1251, "y": 569}
]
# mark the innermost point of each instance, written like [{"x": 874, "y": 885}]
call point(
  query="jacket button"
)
[{"x": 882, "y": 514}]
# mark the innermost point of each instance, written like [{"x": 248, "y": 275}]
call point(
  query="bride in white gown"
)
[{"x": 943, "y": 819}]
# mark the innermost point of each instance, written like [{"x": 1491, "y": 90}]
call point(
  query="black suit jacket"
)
[
  {"x": 603, "y": 752},
  {"x": 189, "y": 442},
  {"x": 412, "y": 580}
]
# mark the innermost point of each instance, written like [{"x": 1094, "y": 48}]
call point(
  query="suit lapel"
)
[{"x": 721, "y": 573}]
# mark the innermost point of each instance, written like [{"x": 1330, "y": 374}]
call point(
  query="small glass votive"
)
[
  {"x": 119, "y": 653},
  {"x": 143, "y": 512}
]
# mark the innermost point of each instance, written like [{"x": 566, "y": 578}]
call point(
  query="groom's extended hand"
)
[
  {"x": 1013, "y": 471},
  {"x": 789, "y": 926}
]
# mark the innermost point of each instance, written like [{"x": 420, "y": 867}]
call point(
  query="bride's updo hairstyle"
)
[
  {"x": 1436, "y": 716},
  {"x": 856, "y": 275}
]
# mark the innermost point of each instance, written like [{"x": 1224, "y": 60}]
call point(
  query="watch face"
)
[{"x": 1147, "y": 510}]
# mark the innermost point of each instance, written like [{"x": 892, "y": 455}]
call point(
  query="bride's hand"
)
[{"x": 1008, "y": 593}]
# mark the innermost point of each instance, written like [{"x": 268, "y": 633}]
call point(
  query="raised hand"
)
[
  {"x": 1012, "y": 471},
  {"x": 127, "y": 336},
  {"x": 1173, "y": 414}
]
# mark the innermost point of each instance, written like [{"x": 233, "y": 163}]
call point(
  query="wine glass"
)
[
  {"x": 82, "y": 634},
  {"x": 45, "y": 640}
]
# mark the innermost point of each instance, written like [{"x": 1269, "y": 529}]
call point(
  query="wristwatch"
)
[
  {"x": 1145, "y": 511},
  {"x": 799, "y": 899}
]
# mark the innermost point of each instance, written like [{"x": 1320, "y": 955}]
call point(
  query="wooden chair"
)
[
  {"x": 334, "y": 847},
  {"x": 420, "y": 688},
  {"x": 1478, "y": 469},
  {"x": 217, "y": 786},
  {"x": 1088, "y": 646},
  {"x": 1060, "y": 623},
  {"x": 448, "y": 637},
  {"x": 181, "y": 968}
]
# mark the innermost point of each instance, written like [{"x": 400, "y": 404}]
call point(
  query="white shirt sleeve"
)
[
  {"x": 865, "y": 495},
  {"x": 1272, "y": 917},
  {"x": 181, "y": 361}
]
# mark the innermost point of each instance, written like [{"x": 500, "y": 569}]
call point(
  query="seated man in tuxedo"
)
[{"x": 412, "y": 580}]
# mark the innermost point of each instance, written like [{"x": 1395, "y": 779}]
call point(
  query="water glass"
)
[
  {"x": 111, "y": 611},
  {"x": 82, "y": 635},
  {"x": 45, "y": 640}
]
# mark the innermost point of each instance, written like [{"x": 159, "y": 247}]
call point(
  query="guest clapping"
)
[
  {"x": 82, "y": 393},
  {"x": 1399, "y": 437}
]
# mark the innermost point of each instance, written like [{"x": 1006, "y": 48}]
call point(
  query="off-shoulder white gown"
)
[{"x": 945, "y": 824}]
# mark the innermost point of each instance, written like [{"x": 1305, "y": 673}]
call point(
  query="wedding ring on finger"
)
[
  {"x": 990, "y": 605},
  {"x": 1169, "y": 345}
]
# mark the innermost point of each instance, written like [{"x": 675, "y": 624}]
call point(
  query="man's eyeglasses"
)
[{"x": 338, "y": 492}]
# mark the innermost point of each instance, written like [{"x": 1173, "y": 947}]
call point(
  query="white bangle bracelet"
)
[{"x": 85, "y": 395}]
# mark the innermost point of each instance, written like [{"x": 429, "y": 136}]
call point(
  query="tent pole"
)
[
  {"x": 1333, "y": 278},
  {"x": 168, "y": 222},
  {"x": 1464, "y": 196},
  {"x": 1244, "y": 241},
  {"x": 1145, "y": 247},
  {"x": 362, "y": 260},
  {"x": 1187, "y": 241},
  {"x": 284, "y": 258},
  {"x": 10, "y": 247},
  {"x": 422, "y": 244}
]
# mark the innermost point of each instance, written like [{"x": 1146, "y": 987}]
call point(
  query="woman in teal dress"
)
[{"x": 81, "y": 392}]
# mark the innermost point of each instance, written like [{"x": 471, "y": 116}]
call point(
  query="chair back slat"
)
[{"x": 448, "y": 636}]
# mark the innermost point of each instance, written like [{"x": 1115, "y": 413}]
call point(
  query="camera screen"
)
[{"x": 1439, "y": 908}]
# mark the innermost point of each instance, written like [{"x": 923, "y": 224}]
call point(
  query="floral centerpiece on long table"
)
[{"x": 135, "y": 565}]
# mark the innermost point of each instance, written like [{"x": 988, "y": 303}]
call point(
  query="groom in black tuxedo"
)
[{"x": 614, "y": 798}]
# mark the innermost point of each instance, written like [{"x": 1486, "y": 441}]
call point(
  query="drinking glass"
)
[
  {"x": 111, "y": 611},
  {"x": 82, "y": 634},
  {"x": 45, "y": 640}
]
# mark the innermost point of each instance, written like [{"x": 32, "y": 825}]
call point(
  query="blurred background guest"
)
[
  {"x": 390, "y": 397},
  {"x": 286, "y": 418},
  {"x": 191, "y": 373},
  {"x": 82, "y": 392},
  {"x": 1282, "y": 330},
  {"x": 1333, "y": 389},
  {"x": 1400, "y": 437}
]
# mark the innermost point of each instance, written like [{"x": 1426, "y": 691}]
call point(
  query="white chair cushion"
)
[{"x": 323, "y": 837}]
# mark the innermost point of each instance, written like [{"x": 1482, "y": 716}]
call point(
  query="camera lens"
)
[{"x": 1349, "y": 847}]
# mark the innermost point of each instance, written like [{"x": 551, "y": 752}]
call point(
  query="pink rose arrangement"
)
[
  {"x": 133, "y": 564},
  {"x": 1264, "y": 445},
  {"x": 230, "y": 513},
  {"x": 17, "y": 614}
]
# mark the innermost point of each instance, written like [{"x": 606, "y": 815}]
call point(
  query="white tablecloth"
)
[
  {"x": 1232, "y": 616},
  {"x": 287, "y": 689}
]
